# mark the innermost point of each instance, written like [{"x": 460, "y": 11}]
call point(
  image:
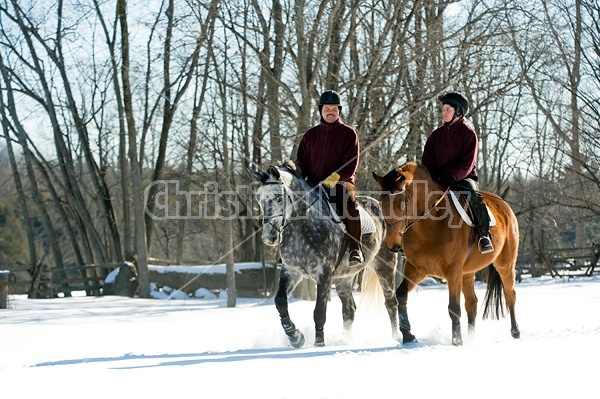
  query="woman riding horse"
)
[
  {"x": 422, "y": 222},
  {"x": 432, "y": 243},
  {"x": 450, "y": 156}
]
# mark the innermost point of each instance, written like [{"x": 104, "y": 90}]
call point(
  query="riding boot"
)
[
  {"x": 345, "y": 201},
  {"x": 354, "y": 233},
  {"x": 482, "y": 221}
]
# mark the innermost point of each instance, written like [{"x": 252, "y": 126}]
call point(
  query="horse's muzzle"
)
[
  {"x": 397, "y": 249},
  {"x": 271, "y": 239}
]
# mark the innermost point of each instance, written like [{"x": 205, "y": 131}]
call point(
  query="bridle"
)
[
  {"x": 391, "y": 226},
  {"x": 287, "y": 196}
]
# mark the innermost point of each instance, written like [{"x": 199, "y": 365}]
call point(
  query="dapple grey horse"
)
[{"x": 297, "y": 217}]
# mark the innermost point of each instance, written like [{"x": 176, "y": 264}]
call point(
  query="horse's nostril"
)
[
  {"x": 271, "y": 239},
  {"x": 396, "y": 248}
]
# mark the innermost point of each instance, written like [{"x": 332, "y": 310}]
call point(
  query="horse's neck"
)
[
  {"x": 310, "y": 211},
  {"x": 301, "y": 197},
  {"x": 436, "y": 213},
  {"x": 423, "y": 198},
  {"x": 305, "y": 197}
]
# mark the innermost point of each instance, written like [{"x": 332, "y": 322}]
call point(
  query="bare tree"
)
[
  {"x": 170, "y": 104},
  {"x": 138, "y": 211},
  {"x": 557, "y": 29},
  {"x": 201, "y": 81}
]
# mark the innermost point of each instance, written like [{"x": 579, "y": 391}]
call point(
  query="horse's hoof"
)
[
  {"x": 408, "y": 338},
  {"x": 319, "y": 338},
  {"x": 296, "y": 339},
  {"x": 410, "y": 344},
  {"x": 456, "y": 335},
  {"x": 516, "y": 334}
]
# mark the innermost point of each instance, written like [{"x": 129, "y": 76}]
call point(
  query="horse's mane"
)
[
  {"x": 309, "y": 194},
  {"x": 295, "y": 172},
  {"x": 408, "y": 167},
  {"x": 414, "y": 169},
  {"x": 417, "y": 169},
  {"x": 291, "y": 167}
]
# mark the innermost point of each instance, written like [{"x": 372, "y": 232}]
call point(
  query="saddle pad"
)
[
  {"x": 463, "y": 213},
  {"x": 367, "y": 224}
]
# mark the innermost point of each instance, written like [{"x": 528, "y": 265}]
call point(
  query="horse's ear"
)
[
  {"x": 258, "y": 175},
  {"x": 393, "y": 181},
  {"x": 378, "y": 179},
  {"x": 273, "y": 171},
  {"x": 400, "y": 175}
]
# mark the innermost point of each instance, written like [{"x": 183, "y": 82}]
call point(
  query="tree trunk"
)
[
  {"x": 124, "y": 169},
  {"x": 141, "y": 259},
  {"x": 19, "y": 187},
  {"x": 50, "y": 235},
  {"x": 170, "y": 106}
]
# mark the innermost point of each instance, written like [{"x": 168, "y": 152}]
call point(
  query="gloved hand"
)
[
  {"x": 445, "y": 181},
  {"x": 331, "y": 180}
]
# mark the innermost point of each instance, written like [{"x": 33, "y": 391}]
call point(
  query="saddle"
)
[
  {"x": 464, "y": 214},
  {"x": 367, "y": 224}
]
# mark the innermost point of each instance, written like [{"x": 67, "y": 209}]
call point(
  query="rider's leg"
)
[
  {"x": 345, "y": 200},
  {"x": 482, "y": 219},
  {"x": 352, "y": 220}
]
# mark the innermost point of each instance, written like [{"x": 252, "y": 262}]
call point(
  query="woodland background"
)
[{"x": 106, "y": 105}]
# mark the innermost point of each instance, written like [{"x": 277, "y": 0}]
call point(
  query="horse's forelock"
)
[{"x": 276, "y": 174}]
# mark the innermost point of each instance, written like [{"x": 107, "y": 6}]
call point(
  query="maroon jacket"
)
[
  {"x": 328, "y": 148},
  {"x": 451, "y": 151}
]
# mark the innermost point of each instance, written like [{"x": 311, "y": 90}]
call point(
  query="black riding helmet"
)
[
  {"x": 330, "y": 97},
  {"x": 456, "y": 100}
]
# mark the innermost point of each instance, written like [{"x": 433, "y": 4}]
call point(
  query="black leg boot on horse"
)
[
  {"x": 294, "y": 335},
  {"x": 480, "y": 215}
]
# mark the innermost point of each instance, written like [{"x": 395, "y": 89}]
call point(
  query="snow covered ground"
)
[{"x": 99, "y": 347}]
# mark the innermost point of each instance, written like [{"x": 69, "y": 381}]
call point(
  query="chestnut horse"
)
[{"x": 424, "y": 225}]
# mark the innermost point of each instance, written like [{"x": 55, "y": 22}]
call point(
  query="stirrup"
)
[
  {"x": 485, "y": 245},
  {"x": 356, "y": 257}
]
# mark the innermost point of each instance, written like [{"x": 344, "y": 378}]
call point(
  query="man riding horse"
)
[{"x": 328, "y": 154}]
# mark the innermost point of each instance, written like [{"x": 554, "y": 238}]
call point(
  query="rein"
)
[{"x": 389, "y": 226}]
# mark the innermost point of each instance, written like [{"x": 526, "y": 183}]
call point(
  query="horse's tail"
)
[
  {"x": 494, "y": 296},
  {"x": 371, "y": 292}
]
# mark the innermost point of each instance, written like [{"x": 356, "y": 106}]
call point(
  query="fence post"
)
[{"x": 5, "y": 281}]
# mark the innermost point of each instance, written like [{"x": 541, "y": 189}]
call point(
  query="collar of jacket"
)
[
  {"x": 454, "y": 123},
  {"x": 328, "y": 126}
]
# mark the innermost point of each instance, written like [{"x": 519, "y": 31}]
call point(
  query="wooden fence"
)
[
  {"x": 250, "y": 281},
  {"x": 564, "y": 262},
  {"x": 557, "y": 262},
  {"x": 51, "y": 283}
]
